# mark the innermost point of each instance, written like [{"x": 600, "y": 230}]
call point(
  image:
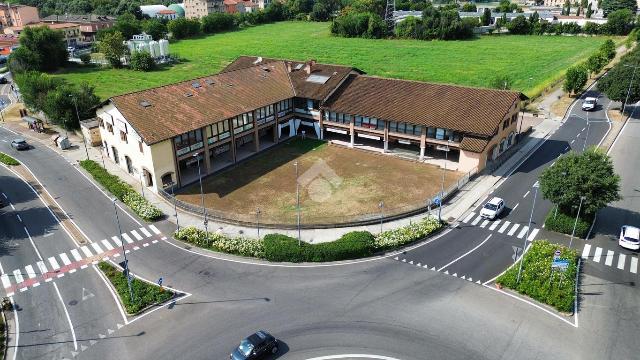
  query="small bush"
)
[
  {"x": 142, "y": 61},
  {"x": 8, "y": 160},
  {"x": 537, "y": 280},
  {"x": 85, "y": 58},
  {"x": 357, "y": 244},
  {"x": 406, "y": 234},
  {"x": 219, "y": 242},
  {"x": 141, "y": 206},
  {"x": 563, "y": 223}
]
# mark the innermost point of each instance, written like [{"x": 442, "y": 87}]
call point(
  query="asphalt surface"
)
[{"x": 382, "y": 307}]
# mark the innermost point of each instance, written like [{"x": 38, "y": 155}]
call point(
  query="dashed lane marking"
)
[{"x": 634, "y": 265}]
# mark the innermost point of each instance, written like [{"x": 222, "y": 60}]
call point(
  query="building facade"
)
[
  {"x": 18, "y": 15},
  {"x": 163, "y": 135},
  {"x": 71, "y": 32},
  {"x": 195, "y": 9},
  {"x": 89, "y": 24}
]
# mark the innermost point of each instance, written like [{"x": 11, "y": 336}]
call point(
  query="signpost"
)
[{"x": 560, "y": 264}]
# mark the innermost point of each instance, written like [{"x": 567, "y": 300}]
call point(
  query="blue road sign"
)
[
  {"x": 436, "y": 200},
  {"x": 560, "y": 264}
]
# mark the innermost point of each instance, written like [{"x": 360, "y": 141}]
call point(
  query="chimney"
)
[
  {"x": 309, "y": 65},
  {"x": 289, "y": 66}
]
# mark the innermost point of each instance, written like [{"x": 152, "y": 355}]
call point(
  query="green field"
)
[{"x": 470, "y": 62}]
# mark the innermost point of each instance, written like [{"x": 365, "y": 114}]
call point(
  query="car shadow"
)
[{"x": 283, "y": 348}]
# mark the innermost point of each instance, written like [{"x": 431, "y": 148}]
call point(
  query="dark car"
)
[
  {"x": 3, "y": 80},
  {"x": 256, "y": 346},
  {"x": 19, "y": 144}
]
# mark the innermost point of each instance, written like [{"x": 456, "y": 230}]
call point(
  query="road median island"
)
[
  {"x": 8, "y": 160},
  {"x": 145, "y": 295},
  {"x": 283, "y": 248},
  {"x": 123, "y": 191},
  {"x": 554, "y": 286}
]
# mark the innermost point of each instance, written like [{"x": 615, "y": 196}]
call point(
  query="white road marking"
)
[
  {"x": 154, "y": 229},
  {"x": 54, "y": 263},
  {"x": 30, "y": 272},
  {"x": 567, "y": 148},
  {"x": 553, "y": 164},
  {"x": 136, "y": 248},
  {"x": 477, "y": 220},
  {"x": 107, "y": 245},
  {"x": 523, "y": 232},
  {"x": 515, "y": 207},
  {"x": 466, "y": 220},
  {"x": 583, "y": 129},
  {"x": 532, "y": 234},
  {"x": 145, "y": 232},
  {"x": 494, "y": 225},
  {"x": 484, "y": 223},
  {"x": 634, "y": 265},
  {"x": 19, "y": 218},
  {"x": 572, "y": 141},
  {"x": 42, "y": 267},
  {"x": 65, "y": 259},
  {"x": 5, "y": 281},
  {"x": 5, "y": 196},
  {"x": 621, "y": 260},
  {"x": 525, "y": 194},
  {"x": 73, "y": 333},
  {"x": 467, "y": 253},
  {"x": 12, "y": 207},
  {"x": 504, "y": 226},
  {"x": 32, "y": 243},
  {"x": 147, "y": 244},
  {"x": 586, "y": 251},
  {"x": 513, "y": 229},
  {"x": 154, "y": 241},
  {"x": 97, "y": 248},
  {"x": 609, "y": 259},
  {"x": 76, "y": 254},
  {"x": 127, "y": 238},
  {"x": 18, "y": 276},
  {"x": 136, "y": 235},
  {"x": 86, "y": 251},
  {"x": 116, "y": 240},
  {"x": 597, "y": 254}
]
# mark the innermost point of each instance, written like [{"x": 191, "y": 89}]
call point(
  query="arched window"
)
[
  {"x": 167, "y": 179},
  {"x": 510, "y": 139},
  {"x": 503, "y": 144}
]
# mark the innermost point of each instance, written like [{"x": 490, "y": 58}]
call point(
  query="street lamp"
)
[
  {"x": 526, "y": 238},
  {"x": 124, "y": 253},
  {"x": 444, "y": 171},
  {"x": 624, "y": 105},
  {"x": 381, "y": 206},
  {"x": 258, "y": 221},
  {"x": 84, "y": 141},
  {"x": 582, "y": 198},
  {"x": 298, "y": 203},
  {"x": 584, "y": 146},
  {"x": 204, "y": 210}
]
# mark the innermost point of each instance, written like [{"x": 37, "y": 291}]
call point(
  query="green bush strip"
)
[
  {"x": 144, "y": 294},
  {"x": 123, "y": 191},
  {"x": 537, "y": 281},
  {"x": 282, "y": 248},
  {"x": 563, "y": 223},
  {"x": 8, "y": 160}
]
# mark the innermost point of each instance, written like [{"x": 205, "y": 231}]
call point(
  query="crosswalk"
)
[
  {"x": 503, "y": 227},
  {"x": 608, "y": 258},
  {"x": 57, "y": 266}
]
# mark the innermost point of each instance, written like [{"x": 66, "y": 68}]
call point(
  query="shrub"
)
[
  {"x": 539, "y": 282},
  {"x": 406, "y": 234},
  {"x": 357, "y": 244},
  {"x": 563, "y": 223},
  {"x": 8, "y": 160},
  {"x": 181, "y": 28},
  {"x": 141, "y": 206},
  {"x": 142, "y": 61},
  {"x": 217, "y": 22},
  {"x": 85, "y": 58},
  {"x": 219, "y": 242}
]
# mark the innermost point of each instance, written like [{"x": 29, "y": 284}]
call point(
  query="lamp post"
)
[
  {"x": 124, "y": 252},
  {"x": 298, "y": 203},
  {"x": 381, "y": 206},
  {"x": 444, "y": 171},
  {"x": 204, "y": 210},
  {"x": 635, "y": 67},
  {"x": 84, "y": 141},
  {"x": 258, "y": 221},
  {"x": 582, "y": 198},
  {"x": 584, "y": 146},
  {"x": 526, "y": 238}
]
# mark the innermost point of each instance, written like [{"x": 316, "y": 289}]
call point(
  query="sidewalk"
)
[{"x": 471, "y": 194}]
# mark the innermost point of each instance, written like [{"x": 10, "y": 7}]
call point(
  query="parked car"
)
[
  {"x": 492, "y": 209},
  {"x": 589, "y": 104},
  {"x": 256, "y": 346},
  {"x": 19, "y": 144},
  {"x": 629, "y": 237}
]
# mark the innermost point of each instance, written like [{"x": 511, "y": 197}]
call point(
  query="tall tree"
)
[
  {"x": 609, "y": 6},
  {"x": 113, "y": 48},
  {"x": 128, "y": 25},
  {"x": 575, "y": 79},
  {"x": 589, "y": 11},
  {"x": 44, "y": 50},
  {"x": 619, "y": 22},
  {"x": 486, "y": 17}
]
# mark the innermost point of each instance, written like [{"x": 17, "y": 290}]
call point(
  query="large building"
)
[
  {"x": 161, "y": 134},
  {"x": 70, "y": 31},
  {"x": 200, "y": 8},
  {"x": 18, "y": 15},
  {"x": 89, "y": 24}
]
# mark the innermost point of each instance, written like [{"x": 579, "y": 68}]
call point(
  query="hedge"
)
[
  {"x": 536, "y": 280},
  {"x": 144, "y": 294},
  {"x": 123, "y": 191},
  {"x": 563, "y": 223},
  {"x": 283, "y": 248},
  {"x": 8, "y": 160}
]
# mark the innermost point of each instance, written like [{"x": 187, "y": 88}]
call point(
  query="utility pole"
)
[
  {"x": 381, "y": 206},
  {"x": 582, "y": 198},
  {"x": 635, "y": 67},
  {"x": 84, "y": 140},
  {"x": 204, "y": 209}
]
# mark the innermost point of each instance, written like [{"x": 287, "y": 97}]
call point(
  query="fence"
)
[{"x": 311, "y": 220}]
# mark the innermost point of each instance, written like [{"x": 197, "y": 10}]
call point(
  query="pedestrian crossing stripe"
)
[
  {"x": 469, "y": 217},
  {"x": 494, "y": 225},
  {"x": 504, "y": 226},
  {"x": 512, "y": 228},
  {"x": 610, "y": 257}
]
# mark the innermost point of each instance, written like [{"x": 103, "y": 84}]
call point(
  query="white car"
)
[
  {"x": 629, "y": 237},
  {"x": 589, "y": 104},
  {"x": 492, "y": 209}
]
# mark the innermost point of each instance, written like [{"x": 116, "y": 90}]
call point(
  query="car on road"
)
[
  {"x": 589, "y": 104},
  {"x": 19, "y": 144},
  {"x": 629, "y": 237},
  {"x": 255, "y": 346},
  {"x": 3, "y": 80},
  {"x": 492, "y": 209}
]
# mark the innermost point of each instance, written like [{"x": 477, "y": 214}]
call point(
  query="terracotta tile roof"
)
[
  {"x": 335, "y": 74},
  {"x": 468, "y": 110},
  {"x": 232, "y": 93},
  {"x": 473, "y": 144}
]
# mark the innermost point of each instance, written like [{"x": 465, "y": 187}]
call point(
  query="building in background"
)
[
  {"x": 8, "y": 43},
  {"x": 195, "y": 9},
  {"x": 178, "y": 8},
  {"x": 18, "y": 15},
  {"x": 159, "y": 50},
  {"x": 167, "y": 14},
  {"x": 71, "y": 31},
  {"x": 89, "y": 24}
]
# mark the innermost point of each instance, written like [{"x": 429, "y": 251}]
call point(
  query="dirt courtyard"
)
[{"x": 336, "y": 184}]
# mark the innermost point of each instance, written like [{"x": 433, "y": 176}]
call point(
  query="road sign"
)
[
  {"x": 436, "y": 201},
  {"x": 560, "y": 264},
  {"x": 556, "y": 255}
]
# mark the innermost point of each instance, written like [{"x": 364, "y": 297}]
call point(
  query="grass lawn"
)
[
  {"x": 469, "y": 62},
  {"x": 336, "y": 184}
]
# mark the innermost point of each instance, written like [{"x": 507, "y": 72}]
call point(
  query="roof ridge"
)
[{"x": 440, "y": 84}]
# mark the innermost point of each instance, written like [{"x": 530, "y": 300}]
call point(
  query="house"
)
[
  {"x": 18, "y": 15},
  {"x": 195, "y": 9},
  {"x": 167, "y": 14},
  {"x": 254, "y": 103},
  {"x": 8, "y": 43},
  {"x": 71, "y": 31},
  {"x": 89, "y": 24}
]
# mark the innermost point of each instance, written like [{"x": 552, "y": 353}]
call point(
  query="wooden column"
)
[
  {"x": 352, "y": 132},
  {"x": 321, "y": 122},
  {"x": 256, "y": 142},
  {"x": 385, "y": 138},
  {"x": 423, "y": 142}
]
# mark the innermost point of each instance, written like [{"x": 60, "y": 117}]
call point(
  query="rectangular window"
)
[
  {"x": 123, "y": 136},
  {"x": 358, "y": 121},
  {"x": 417, "y": 130},
  {"x": 431, "y": 132},
  {"x": 140, "y": 146},
  {"x": 110, "y": 128},
  {"x": 242, "y": 123},
  {"x": 440, "y": 134},
  {"x": 393, "y": 126},
  {"x": 332, "y": 116},
  {"x": 514, "y": 118}
]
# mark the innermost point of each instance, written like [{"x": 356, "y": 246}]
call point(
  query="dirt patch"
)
[
  {"x": 336, "y": 185},
  {"x": 616, "y": 115}
]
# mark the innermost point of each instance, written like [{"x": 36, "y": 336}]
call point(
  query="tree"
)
[
  {"x": 619, "y": 22},
  {"x": 485, "y": 19},
  {"x": 183, "y": 28},
  {"x": 128, "y": 25},
  {"x": 589, "y": 174},
  {"x": 34, "y": 87},
  {"x": 575, "y": 79},
  {"x": 113, "y": 48},
  {"x": 506, "y": 6},
  {"x": 41, "y": 49},
  {"x": 596, "y": 62},
  {"x": 566, "y": 9},
  {"x": 608, "y": 48},
  {"x": 617, "y": 84},
  {"x": 501, "y": 81},
  {"x": 154, "y": 27},
  {"x": 216, "y": 22},
  {"x": 85, "y": 58},
  {"x": 609, "y": 6},
  {"x": 142, "y": 61},
  {"x": 469, "y": 7},
  {"x": 589, "y": 12},
  {"x": 578, "y": 11},
  {"x": 519, "y": 26},
  {"x": 320, "y": 11}
]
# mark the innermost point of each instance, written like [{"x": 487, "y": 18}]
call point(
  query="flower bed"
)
[
  {"x": 123, "y": 191},
  {"x": 144, "y": 294},
  {"x": 8, "y": 160},
  {"x": 283, "y": 248},
  {"x": 539, "y": 282}
]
